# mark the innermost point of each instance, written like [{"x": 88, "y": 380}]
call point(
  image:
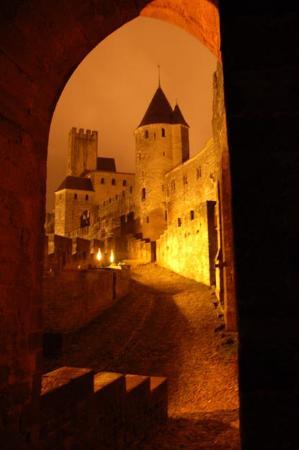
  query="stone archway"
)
[{"x": 40, "y": 50}]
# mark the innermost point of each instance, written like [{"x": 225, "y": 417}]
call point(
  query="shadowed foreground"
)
[{"x": 166, "y": 326}]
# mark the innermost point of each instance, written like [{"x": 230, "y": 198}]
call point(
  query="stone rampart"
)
[{"x": 73, "y": 298}]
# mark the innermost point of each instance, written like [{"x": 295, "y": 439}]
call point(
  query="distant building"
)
[{"x": 165, "y": 211}]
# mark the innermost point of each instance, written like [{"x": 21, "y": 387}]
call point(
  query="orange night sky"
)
[{"x": 112, "y": 87}]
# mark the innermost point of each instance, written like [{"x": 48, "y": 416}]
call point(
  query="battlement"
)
[{"x": 83, "y": 133}]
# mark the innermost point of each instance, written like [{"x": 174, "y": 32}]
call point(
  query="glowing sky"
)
[{"x": 112, "y": 87}]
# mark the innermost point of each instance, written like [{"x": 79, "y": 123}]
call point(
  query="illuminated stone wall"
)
[
  {"x": 159, "y": 148},
  {"x": 110, "y": 185},
  {"x": 69, "y": 206},
  {"x": 82, "y": 151},
  {"x": 184, "y": 246}
]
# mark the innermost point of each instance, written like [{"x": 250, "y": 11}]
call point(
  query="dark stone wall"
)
[{"x": 260, "y": 46}]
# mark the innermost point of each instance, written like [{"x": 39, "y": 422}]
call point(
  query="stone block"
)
[
  {"x": 137, "y": 407},
  {"x": 64, "y": 387},
  {"x": 158, "y": 400},
  {"x": 108, "y": 410}
]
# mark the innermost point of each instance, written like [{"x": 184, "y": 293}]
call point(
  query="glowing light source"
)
[
  {"x": 112, "y": 259},
  {"x": 99, "y": 255}
]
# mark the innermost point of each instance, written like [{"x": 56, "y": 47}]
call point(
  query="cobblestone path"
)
[{"x": 166, "y": 326}]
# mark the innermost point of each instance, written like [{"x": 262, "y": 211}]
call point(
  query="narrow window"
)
[
  {"x": 192, "y": 215},
  {"x": 116, "y": 197},
  {"x": 146, "y": 134},
  {"x": 147, "y": 219},
  {"x": 123, "y": 193},
  {"x": 163, "y": 132},
  {"x": 109, "y": 200},
  {"x": 102, "y": 180},
  {"x": 143, "y": 194},
  {"x": 86, "y": 197},
  {"x": 163, "y": 153},
  {"x": 185, "y": 179},
  {"x": 75, "y": 196},
  {"x": 131, "y": 189},
  {"x": 124, "y": 182},
  {"x": 113, "y": 182},
  {"x": 198, "y": 172},
  {"x": 172, "y": 185},
  {"x": 165, "y": 215},
  {"x": 179, "y": 222}
]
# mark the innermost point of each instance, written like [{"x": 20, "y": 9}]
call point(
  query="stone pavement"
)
[{"x": 166, "y": 326}]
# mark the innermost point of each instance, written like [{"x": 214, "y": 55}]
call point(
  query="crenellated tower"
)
[
  {"x": 82, "y": 151},
  {"x": 162, "y": 142}
]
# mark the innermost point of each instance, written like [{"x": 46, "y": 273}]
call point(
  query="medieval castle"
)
[{"x": 166, "y": 211}]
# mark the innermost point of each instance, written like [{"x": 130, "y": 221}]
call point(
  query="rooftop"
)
[{"x": 78, "y": 183}]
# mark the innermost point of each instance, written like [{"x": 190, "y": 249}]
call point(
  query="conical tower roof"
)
[
  {"x": 177, "y": 116},
  {"x": 159, "y": 110}
]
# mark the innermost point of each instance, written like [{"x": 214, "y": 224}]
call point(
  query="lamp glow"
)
[
  {"x": 99, "y": 255},
  {"x": 112, "y": 259}
]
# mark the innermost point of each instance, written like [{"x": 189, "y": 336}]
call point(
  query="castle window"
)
[
  {"x": 179, "y": 222},
  {"x": 131, "y": 189},
  {"x": 109, "y": 200},
  {"x": 86, "y": 197},
  {"x": 102, "y": 180},
  {"x": 163, "y": 132},
  {"x": 147, "y": 219},
  {"x": 123, "y": 193},
  {"x": 146, "y": 134},
  {"x": 198, "y": 172},
  {"x": 124, "y": 182},
  {"x": 143, "y": 194},
  {"x": 192, "y": 215},
  {"x": 185, "y": 179},
  {"x": 163, "y": 153},
  {"x": 165, "y": 215},
  {"x": 116, "y": 197},
  {"x": 113, "y": 182},
  {"x": 75, "y": 196}
]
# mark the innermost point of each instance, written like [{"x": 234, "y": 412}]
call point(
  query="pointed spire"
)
[
  {"x": 177, "y": 116},
  {"x": 159, "y": 75},
  {"x": 159, "y": 110}
]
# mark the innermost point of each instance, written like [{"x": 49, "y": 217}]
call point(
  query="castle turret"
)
[
  {"x": 180, "y": 137},
  {"x": 82, "y": 151},
  {"x": 161, "y": 144}
]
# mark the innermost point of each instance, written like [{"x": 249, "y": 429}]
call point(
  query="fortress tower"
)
[
  {"x": 162, "y": 142},
  {"x": 82, "y": 151}
]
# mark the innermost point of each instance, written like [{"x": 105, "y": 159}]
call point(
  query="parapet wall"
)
[
  {"x": 82, "y": 410},
  {"x": 73, "y": 298},
  {"x": 140, "y": 250}
]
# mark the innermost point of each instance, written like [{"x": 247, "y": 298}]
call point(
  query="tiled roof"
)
[
  {"x": 79, "y": 183},
  {"x": 160, "y": 111},
  {"x": 106, "y": 164}
]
